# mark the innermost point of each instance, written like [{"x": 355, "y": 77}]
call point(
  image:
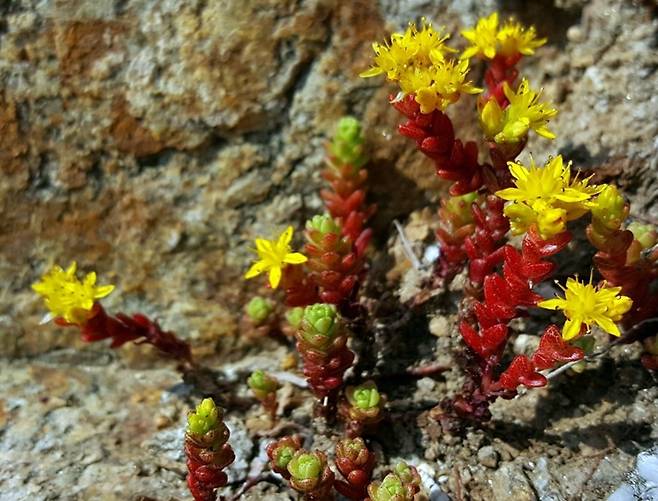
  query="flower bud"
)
[
  {"x": 320, "y": 319},
  {"x": 259, "y": 381},
  {"x": 294, "y": 316},
  {"x": 347, "y": 144},
  {"x": 204, "y": 419},
  {"x": 609, "y": 208},
  {"x": 323, "y": 224},
  {"x": 259, "y": 309}
]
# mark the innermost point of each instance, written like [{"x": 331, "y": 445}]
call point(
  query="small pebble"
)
[
  {"x": 575, "y": 34},
  {"x": 487, "y": 456}
]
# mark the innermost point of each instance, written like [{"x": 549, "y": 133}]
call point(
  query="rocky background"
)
[{"x": 151, "y": 140}]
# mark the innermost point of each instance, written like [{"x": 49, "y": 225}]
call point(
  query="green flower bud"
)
[
  {"x": 407, "y": 474},
  {"x": 262, "y": 382},
  {"x": 283, "y": 455},
  {"x": 204, "y": 419},
  {"x": 324, "y": 224},
  {"x": 644, "y": 233},
  {"x": 390, "y": 487},
  {"x": 305, "y": 466},
  {"x": 294, "y": 316},
  {"x": 259, "y": 309},
  {"x": 365, "y": 396},
  {"x": 461, "y": 206},
  {"x": 320, "y": 319},
  {"x": 347, "y": 144},
  {"x": 609, "y": 208}
]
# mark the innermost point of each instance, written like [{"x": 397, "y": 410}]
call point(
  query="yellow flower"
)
[
  {"x": 408, "y": 50},
  {"x": 437, "y": 87},
  {"x": 67, "y": 297},
  {"x": 545, "y": 197},
  {"x": 586, "y": 304},
  {"x": 274, "y": 255},
  {"x": 523, "y": 113},
  {"x": 511, "y": 40},
  {"x": 483, "y": 38},
  {"x": 515, "y": 39}
]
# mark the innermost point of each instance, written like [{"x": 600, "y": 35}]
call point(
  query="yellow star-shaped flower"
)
[
  {"x": 273, "y": 257},
  {"x": 67, "y": 297},
  {"x": 586, "y": 304},
  {"x": 546, "y": 197},
  {"x": 524, "y": 112},
  {"x": 511, "y": 40}
]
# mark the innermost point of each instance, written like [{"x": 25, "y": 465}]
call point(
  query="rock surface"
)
[{"x": 151, "y": 140}]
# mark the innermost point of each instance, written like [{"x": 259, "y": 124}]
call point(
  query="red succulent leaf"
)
[
  {"x": 552, "y": 348},
  {"x": 521, "y": 371}
]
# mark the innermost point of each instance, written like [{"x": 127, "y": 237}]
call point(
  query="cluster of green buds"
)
[
  {"x": 362, "y": 408},
  {"x": 346, "y": 147},
  {"x": 321, "y": 342},
  {"x": 281, "y": 452},
  {"x": 400, "y": 485},
  {"x": 264, "y": 389},
  {"x": 207, "y": 450},
  {"x": 310, "y": 475},
  {"x": 609, "y": 211},
  {"x": 259, "y": 318}
]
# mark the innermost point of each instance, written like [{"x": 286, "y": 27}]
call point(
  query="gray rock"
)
[
  {"x": 509, "y": 482},
  {"x": 487, "y": 456}
]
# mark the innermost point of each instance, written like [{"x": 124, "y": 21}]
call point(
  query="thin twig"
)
[{"x": 406, "y": 247}]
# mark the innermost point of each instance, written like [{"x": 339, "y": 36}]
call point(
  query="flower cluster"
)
[
  {"x": 207, "y": 451},
  {"x": 67, "y": 297},
  {"x": 72, "y": 302},
  {"x": 509, "y": 41},
  {"x": 418, "y": 61},
  {"x": 409, "y": 51},
  {"x": 522, "y": 113},
  {"x": 546, "y": 197}
]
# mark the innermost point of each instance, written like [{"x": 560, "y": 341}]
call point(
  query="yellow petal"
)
[
  {"x": 510, "y": 194},
  {"x": 545, "y": 132},
  {"x": 263, "y": 246},
  {"x": 256, "y": 269},
  {"x": 70, "y": 271},
  {"x": 571, "y": 329},
  {"x": 90, "y": 279},
  {"x": 518, "y": 171},
  {"x": 103, "y": 291},
  {"x": 285, "y": 238},
  {"x": 553, "y": 304},
  {"x": 371, "y": 72},
  {"x": 275, "y": 276},
  {"x": 295, "y": 258},
  {"x": 607, "y": 325}
]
